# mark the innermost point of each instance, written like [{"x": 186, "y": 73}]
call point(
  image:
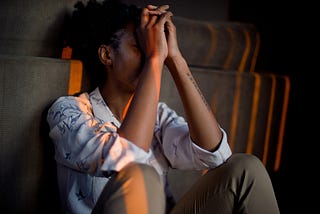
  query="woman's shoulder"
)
[{"x": 72, "y": 101}]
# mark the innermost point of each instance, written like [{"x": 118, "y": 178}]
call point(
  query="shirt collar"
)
[{"x": 100, "y": 108}]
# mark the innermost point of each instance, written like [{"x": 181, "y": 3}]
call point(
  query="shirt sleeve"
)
[
  {"x": 84, "y": 143},
  {"x": 182, "y": 153}
]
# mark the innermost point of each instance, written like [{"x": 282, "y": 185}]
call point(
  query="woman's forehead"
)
[{"x": 127, "y": 33}]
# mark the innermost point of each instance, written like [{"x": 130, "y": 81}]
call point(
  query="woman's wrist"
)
[{"x": 175, "y": 62}]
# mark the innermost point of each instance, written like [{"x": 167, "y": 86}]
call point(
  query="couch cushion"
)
[
  {"x": 229, "y": 46},
  {"x": 27, "y": 170}
]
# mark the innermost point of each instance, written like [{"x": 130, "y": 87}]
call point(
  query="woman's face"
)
[{"x": 127, "y": 60}]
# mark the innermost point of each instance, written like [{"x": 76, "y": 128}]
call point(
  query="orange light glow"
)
[
  {"x": 235, "y": 110},
  {"x": 137, "y": 201},
  {"x": 75, "y": 78},
  {"x": 231, "y": 50},
  {"x": 254, "y": 112},
  {"x": 255, "y": 53},
  {"x": 66, "y": 53},
  {"x": 213, "y": 45},
  {"x": 269, "y": 120},
  {"x": 246, "y": 52},
  {"x": 282, "y": 123}
]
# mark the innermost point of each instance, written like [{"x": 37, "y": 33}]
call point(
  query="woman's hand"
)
[
  {"x": 151, "y": 32},
  {"x": 173, "y": 48}
]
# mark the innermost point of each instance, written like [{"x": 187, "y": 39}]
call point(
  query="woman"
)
[{"x": 114, "y": 145}]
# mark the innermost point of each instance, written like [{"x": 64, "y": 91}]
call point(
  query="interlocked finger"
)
[
  {"x": 157, "y": 10},
  {"x": 144, "y": 17},
  {"x": 152, "y": 20}
]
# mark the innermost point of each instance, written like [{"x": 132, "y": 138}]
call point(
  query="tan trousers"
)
[{"x": 241, "y": 185}]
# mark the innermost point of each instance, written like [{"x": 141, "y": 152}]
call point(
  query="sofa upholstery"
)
[
  {"x": 251, "y": 106},
  {"x": 28, "y": 85}
]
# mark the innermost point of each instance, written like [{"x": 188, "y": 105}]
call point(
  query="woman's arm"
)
[
  {"x": 139, "y": 122},
  {"x": 204, "y": 128}
]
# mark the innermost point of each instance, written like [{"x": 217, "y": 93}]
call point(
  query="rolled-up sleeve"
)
[
  {"x": 84, "y": 143},
  {"x": 178, "y": 147},
  {"x": 213, "y": 159}
]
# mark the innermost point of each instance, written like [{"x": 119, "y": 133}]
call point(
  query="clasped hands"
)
[{"x": 157, "y": 33}]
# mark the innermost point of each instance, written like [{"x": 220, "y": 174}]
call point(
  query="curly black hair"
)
[{"x": 94, "y": 24}]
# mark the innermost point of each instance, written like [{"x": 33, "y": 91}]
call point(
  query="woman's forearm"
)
[
  {"x": 139, "y": 122},
  {"x": 204, "y": 128}
]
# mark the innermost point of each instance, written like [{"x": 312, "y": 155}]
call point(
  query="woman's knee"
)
[
  {"x": 240, "y": 163},
  {"x": 253, "y": 177},
  {"x": 137, "y": 174},
  {"x": 138, "y": 170},
  {"x": 245, "y": 161},
  {"x": 144, "y": 181},
  {"x": 134, "y": 180}
]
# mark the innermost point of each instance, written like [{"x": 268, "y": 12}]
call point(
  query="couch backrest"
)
[
  {"x": 251, "y": 107},
  {"x": 225, "y": 46},
  {"x": 27, "y": 168},
  {"x": 33, "y": 28}
]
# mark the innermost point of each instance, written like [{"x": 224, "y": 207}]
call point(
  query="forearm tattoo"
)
[{"x": 198, "y": 89}]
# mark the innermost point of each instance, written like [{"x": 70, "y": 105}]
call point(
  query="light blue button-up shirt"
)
[{"x": 87, "y": 147}]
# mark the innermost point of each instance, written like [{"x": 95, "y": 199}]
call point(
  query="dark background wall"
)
[{"x": 286, "y": 48}]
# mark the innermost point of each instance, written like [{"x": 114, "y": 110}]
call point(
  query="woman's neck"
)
[{"x": 117, "y": 102}]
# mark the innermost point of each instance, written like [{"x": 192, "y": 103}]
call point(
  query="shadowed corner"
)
[{"x": 48, "y": 196}]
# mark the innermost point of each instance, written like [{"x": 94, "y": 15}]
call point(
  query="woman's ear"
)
[{"x": 104, "y": 52}]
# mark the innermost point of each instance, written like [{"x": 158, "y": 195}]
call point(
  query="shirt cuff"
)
[{"x": 217, "y": 157}]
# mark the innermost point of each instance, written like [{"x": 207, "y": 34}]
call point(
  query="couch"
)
[{"x": 251, "y": 106}]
